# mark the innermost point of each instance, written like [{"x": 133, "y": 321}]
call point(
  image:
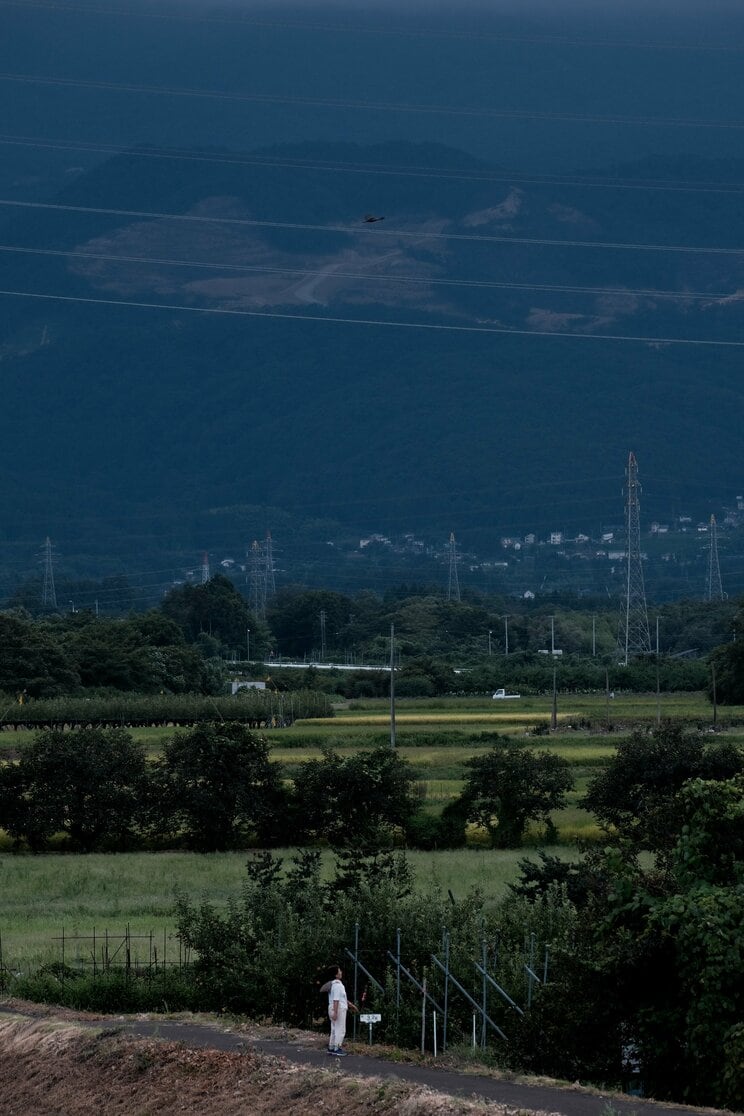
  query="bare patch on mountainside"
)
[
  {"x": 209, "y": 255},
  {"x": 475, "y": 267},
  {"x": 504, "y": 211}
]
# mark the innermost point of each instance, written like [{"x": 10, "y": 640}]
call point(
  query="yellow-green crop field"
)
[{"x": 41, "y": 894}]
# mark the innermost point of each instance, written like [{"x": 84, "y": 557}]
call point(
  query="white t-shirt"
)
[{"x": 337, "y": 992}]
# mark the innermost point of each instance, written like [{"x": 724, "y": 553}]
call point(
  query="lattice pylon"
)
[
  {"x": 635, "y": 637},
  {"x": 714, "y": 588},
  {"x": 257, "y": 591},
  {"x": 453, "y": 585},
  {"x": 48, "y": 592},
  {"x": 269, "y": 574}
]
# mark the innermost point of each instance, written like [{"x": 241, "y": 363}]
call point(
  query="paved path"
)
[
  {"x": 569, "y": 1102},
  {"x": 566, "y": 1101}
]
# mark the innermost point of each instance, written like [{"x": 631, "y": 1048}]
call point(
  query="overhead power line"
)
[
  {"x": 387, "y": 31},
  {"x": 383, "y": 277},
  {"x": 431, "y": 326},
  {"x": 366, "y": 230},
  {"x": 510, "y": 177},
  {"x": 375, "y": 106}
]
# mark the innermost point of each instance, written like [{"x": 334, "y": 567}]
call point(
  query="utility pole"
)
[
  {"x": 554, "y": 711},
  {"x": 205, "y": 568},
  {"x": 506, "y": 633},
  {"x": 453, "y": 585},
  {"x": 658, "y": 678},
  {"x": 48, "y": 592},
  {"x": 490, "y": 633},
  {"x": 634, "y": 634},
  {"x": 323, "y": 617},
  {"x": 552, "y": 635},
  {"x": 594, "y": 637},
  {"x": 248, "y": 645},
  {"x": 392, "y": 685}
]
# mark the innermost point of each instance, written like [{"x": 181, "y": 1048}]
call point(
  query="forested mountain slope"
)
[{"x": 118, "y": 409}]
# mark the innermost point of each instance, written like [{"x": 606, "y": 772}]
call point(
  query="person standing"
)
[{"x": 338, "y": 1006}]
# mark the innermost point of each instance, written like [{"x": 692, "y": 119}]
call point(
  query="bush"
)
[{"x": 117, "y": 990}]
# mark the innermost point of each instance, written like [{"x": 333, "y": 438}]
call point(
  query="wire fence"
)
[
  {"x": 453, "y": 990},
  {"x": 135, "y": 954}
]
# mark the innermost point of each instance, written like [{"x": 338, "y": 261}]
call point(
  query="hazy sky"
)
[{"x": 477, "y": 60}]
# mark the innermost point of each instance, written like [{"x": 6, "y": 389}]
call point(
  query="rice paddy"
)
[{"x": 42, "y": 894}]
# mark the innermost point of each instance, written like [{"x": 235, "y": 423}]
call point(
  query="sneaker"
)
[{"x": 339, "y": 1052}]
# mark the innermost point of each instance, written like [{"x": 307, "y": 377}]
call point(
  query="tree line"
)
[
  {"x": 183, "y": 645},
  {"x": 215, "y": 787}
]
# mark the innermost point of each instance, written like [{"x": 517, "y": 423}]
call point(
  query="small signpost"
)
[{"x": 369, "y": 1020}]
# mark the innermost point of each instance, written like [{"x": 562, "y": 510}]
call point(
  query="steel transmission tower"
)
[
  {"x": 453, "y": 586},
  {"x": 714, "y": 589},
  {"x": 257, "y": 591},
  {"x": 205, "y": 568},
  {"x": 48, "y": 592},
  {"x": 635, "y": 637},
  {"x": 270, "y": 579}
]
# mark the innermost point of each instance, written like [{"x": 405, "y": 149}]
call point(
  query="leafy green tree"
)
[
  {"x": 294, "y": 618},
  {"x": 511, "y": 785},
  {"x": 215, "y": 787},
  {"x": 353, "y": 800},
  {"x": 728, "y": 662},
  {"x": 32, "y": 660},
  {"x": 156, "y": 629},
  {"x": 635, "y": 793},
  {"x": 689, "y": 978},
  {"x": 87, "y": 783},
  {"x": 711, "y": 824},
  {"x": 654, "y": 964},
  {"x": 146, "y": 653},
  {"x": 217, "y": 609},
  {"x": 105, "y": 656},
  {"x": 424, "y": 676}
]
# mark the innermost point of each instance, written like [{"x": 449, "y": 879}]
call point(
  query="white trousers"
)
[{"x": 338, "y": 1027}]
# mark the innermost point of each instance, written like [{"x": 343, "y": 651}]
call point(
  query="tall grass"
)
[{"x": 43, "y": 894}]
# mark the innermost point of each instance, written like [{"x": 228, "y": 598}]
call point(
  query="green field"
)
[{"x": 43, "y": 894}]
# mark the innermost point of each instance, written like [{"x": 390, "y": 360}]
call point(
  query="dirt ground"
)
[{"x": 53, "y": 1067}]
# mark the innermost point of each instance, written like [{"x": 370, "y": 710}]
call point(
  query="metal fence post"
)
[
  {"x": 423, "y": 1014},
  {"x": 446, "y": 988},
  {"x": 356, "y": 975},
  {"x": 484, "y": 956},
  {"x": 397, "y": 977}
]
